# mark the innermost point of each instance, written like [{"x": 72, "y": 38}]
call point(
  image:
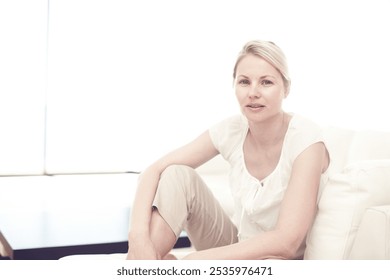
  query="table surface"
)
[{"x": 42, "y": 212}]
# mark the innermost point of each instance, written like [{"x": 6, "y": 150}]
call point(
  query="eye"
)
[
  {"x": 266, "y": 82},
  {"x": 244, "y": 82}
]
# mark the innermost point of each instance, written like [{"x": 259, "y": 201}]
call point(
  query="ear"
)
[
  {"x": 286, "y": 93},
  {"x": 287, "y": 90}
]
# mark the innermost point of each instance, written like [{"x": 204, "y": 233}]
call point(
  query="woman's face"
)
[{"x": 259, "y": 88}]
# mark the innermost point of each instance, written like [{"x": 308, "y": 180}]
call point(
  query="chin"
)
[
  {"x": 259, "y": 117},
  {"x": 255, "y": 119}
]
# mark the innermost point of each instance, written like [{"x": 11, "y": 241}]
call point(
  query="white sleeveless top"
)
[{"x": 257, "y": 203}]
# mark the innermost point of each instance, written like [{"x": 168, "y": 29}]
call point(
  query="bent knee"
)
[
  {"x": 178, "y": 177},
  {"x": 178, "y": 170}
]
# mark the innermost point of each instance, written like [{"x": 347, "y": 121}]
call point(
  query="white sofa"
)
[{"x": 353, "y": 220}]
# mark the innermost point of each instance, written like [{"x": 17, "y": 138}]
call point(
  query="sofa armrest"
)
[{"x": 373, "y": 236}]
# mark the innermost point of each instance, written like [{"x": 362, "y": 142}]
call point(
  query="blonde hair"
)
[{"x": 271, "y": 53}]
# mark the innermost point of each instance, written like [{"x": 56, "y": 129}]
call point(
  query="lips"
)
[{"x": 255, "y": 105}]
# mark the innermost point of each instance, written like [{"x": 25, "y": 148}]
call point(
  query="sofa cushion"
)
[
  {"x": 377, "y": 218},
  {"x": 360, "y": 185}
]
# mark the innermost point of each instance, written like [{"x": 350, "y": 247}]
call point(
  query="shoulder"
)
[
  {"x": 301, "y": 134},
  {"x": 226, "y": 134},
  {"x": 301, "y": 126},
  {"x": 304, "y": 123},
  {"x": 232, "y": 124}
]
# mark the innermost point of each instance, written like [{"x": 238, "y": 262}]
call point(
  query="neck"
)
[{"x": 269, "y": 132}]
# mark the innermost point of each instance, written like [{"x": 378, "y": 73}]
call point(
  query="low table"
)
[
  {"x": 49, "y": 218},
  {"x": 52, "y": 235}
]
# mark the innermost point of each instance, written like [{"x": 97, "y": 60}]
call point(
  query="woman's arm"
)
[
  {"x": 296, "y": 215},
  {"x": 193, "y": 154}
]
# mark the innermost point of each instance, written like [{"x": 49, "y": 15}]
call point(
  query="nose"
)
[{"x": 254, "y": 92}]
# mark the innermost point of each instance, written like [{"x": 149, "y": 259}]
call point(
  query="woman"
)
[{"x": 278, "y": 164}]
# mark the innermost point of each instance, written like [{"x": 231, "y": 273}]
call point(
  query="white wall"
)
[{"x": 130, "y": 80}]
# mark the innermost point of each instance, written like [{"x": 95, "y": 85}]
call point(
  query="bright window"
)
[
  {"x": 128, "y": 81},
  {"x": 23, "y": 36}
]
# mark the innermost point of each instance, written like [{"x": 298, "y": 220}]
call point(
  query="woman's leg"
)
[
  {"x": 183, "y": 201},
  {"x": 161, "y": 234}
]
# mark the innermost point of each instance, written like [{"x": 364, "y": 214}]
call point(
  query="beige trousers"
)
[{"x": 185, "y": 203}]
